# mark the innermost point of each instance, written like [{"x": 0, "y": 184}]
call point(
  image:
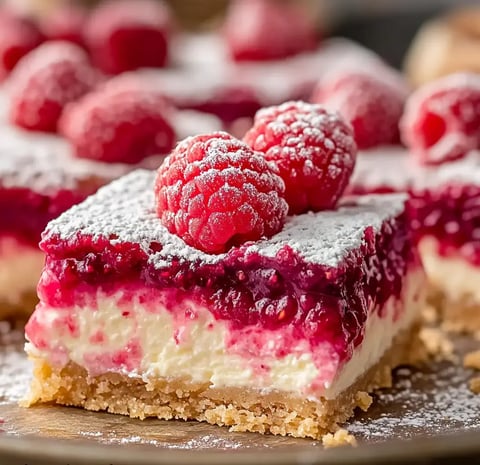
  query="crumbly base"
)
[
  {"x": 20, "y": 309},
  {"x": 243, "y": 409}
]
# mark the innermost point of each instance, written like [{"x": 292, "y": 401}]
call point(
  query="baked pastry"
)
[
  {"x": 445, "y": 45},
  {"x": 445, "y": 221},
  {"x": 285, "y": 335}
]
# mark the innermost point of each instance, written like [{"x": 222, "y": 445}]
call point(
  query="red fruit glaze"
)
[
  {"x": 121, "y": 122},
  {"x": 315, "y": 302},
  {"x": 18, "y": 36},
  {"x": 124, "y": 35},
  {"x": 372, "y": 105},
  {"x": 215, "y": 192},
  {"x": 312, "y": 148},
  {"x": 54, "y": 74},
  {"x": 267, "y": 30},
  {"x": 442, "y": 119},
  {"x": 65, "y": 22}
]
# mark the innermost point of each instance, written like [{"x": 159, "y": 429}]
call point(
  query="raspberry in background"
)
[
  {"x": 312, "y": 148},
  {"x": 65, "y": 22},
  {"x": 268, "y": 30},
  {"x": 124, "y": 121},
  {"x": 442, "y": 119},
  {"x": 215, "y": 192},
  {"x": 124, "y": 35},
  {"x": 18, "y": 36},
  {"x": 372, "y": 103},
  {"x": 45, "y": 80}
]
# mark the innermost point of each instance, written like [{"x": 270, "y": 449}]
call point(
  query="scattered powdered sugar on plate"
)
[
  {"x": 426, "y": 402},
  {"x": 125, "y": 210}
]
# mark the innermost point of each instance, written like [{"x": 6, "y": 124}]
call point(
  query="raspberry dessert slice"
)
[
  {"x": 445, "y": 223},
  {"x": 283, "y": 335},
  {"x": 40, "y": 178}
]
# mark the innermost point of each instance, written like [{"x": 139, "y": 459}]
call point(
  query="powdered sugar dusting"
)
[
  {"x": 392, "y": 167},
  {"x": 125, "y": 209}
]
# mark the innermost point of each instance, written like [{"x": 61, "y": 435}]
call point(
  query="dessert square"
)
[
  {"x": 286, "y": 335},
  {"x": 445, "y": 223},
  {"x": 40, "y": 178}
]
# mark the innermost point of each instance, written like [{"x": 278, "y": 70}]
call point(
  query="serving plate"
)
[{"x": 429, "y": 415}]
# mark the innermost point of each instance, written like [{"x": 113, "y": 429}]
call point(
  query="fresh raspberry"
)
[
  {"x": 442, "y": 119},
  {"x": 267, "y": 30},
  {"x": 373, "y": 104},
  {"x": 215, "y": 192},
  {"x": 65, "y": 23},
  {"x": 313, "y": 149},
  {"x": 45, "y": 80},
  {"x": 18, "y": 36},
  {"x": 124, "y": 35},
  {"x": 121, "y": 122}
]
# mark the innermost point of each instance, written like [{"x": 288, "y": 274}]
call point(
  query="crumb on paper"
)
[
  {"x": 430, "y": 314},
  {"x": 364, "y": 400},
  {"x": 339, "y": 439},
  {"x": 472, "y": 360},
  {"x": 437, "y": 343},
  {"x": 474, "y": 385}
]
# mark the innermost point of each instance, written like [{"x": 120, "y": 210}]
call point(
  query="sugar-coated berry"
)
[
  {"x": 124, "y": 35},
  {"x": 215, "y": 192},
  {"x": 66, "y": 22},
  {"x": 267, "y": 30},
  {"x": 45, "y": 81},
  {"x": 442, "y": 119},
  {"x": 124, "y": 121},
  {"x": 18, "y": 36},
  {"x": 372, "y": 103},
  {"x": 312, "y": 148}
]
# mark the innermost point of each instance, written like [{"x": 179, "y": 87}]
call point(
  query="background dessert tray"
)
[{"x": 433, "y": 409}]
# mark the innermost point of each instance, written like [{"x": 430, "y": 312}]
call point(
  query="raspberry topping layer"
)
[
  {"x": 444, "y": 198},
  {"x": 442, "y": 118},
  {"x": 313, "y": 150},
  {"x": 317, "y": 275},
  {"x": 215, "y": 192}
]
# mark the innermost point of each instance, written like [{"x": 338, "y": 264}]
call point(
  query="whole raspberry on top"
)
[
  {"x": 372, "y": 103},
  {"x": 18, "y": 36},
  {"x": 215, "y": 192},
  {"x": 442, "y": 119},
  {"x": 65, "y": 22},
  {"x": 124, "y": 121},
  {"x": 123, "y": 35},
  {"x": 45, "y": 80},
  {"x": 313, "y": 149},
  {"x": 267, "y": 30}
]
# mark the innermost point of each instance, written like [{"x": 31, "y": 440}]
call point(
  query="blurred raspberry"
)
[
  {"x": 45, "y": 80},
  {"x": 442, "y": 119},
  {"x": 372, "y": 103},
  {"x": 215, "y": 192},
  {"x": 65, "y": 22},
  {"x": 18, "y": 36},
  {"x": 267, "y": 30},
  {"x": 124, "y": 35},
  {"x": 121, "y": 122}
]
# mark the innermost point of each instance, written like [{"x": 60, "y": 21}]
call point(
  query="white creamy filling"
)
[
  {"x": 456, "y": 277},
  {"x": 198, "y": 349},
  {"x": 20, "y": 269}
]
